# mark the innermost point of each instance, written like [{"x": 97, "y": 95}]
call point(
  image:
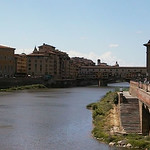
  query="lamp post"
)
[{"x": 148, "y": 59}]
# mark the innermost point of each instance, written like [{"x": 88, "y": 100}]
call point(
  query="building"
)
[
  {"x": 20, "y": 64},
  {"x": 81, "y": 61},
  {"x": 99, "y": 63},
  {"x": 48, "y": 61},
  {"x": 40, "y": 63},
  {"x": 7, "y": 61},
  {"x": 76, "y": 63},
  {"x": 114, "y": 72},
  {"x": 73, "y": 70}
]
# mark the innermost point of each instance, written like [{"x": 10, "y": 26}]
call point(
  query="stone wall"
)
[
  {"x": 142, "y": 92},
  {"x": 129, "y": 113},
  {"x": 13, "y": 82}
]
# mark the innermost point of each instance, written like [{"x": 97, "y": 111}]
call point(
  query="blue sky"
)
[{"x": 112, "y": 30}]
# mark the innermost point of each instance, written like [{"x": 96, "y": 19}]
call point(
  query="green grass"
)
[
  {"x": 139, "y": 141},
  {"x": 100, "y": 112}
]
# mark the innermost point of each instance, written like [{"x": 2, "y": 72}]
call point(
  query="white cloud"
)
[
  {"x": 26, "y": 51},
  {"x": 106, "y": 57},
  {"x": 113, "y": 45}
]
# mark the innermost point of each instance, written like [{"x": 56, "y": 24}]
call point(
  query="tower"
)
[
  {"x": 35, "y": 49},
  {"x": 148, "y": 59},
  {"x": 98, "y": 62}
]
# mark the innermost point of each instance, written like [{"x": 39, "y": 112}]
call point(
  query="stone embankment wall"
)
[
  {"x": 62, "y": 83},
  {"x": 129, "y": 113},
  {"x": 12, "y": 82}
]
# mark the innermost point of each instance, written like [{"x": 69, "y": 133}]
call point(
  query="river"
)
[{"x": 49, "y": 119}]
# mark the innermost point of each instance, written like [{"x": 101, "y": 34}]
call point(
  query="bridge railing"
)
[{"x": 141, "y": 85}]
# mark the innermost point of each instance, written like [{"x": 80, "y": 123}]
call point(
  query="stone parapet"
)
[{"x": 141, "y": 91}]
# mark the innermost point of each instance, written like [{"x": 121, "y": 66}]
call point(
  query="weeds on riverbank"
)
[
  {"x": 34, "y": 86},
  {"x": 101, "y": 112}
]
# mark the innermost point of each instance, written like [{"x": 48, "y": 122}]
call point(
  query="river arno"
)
[{"x": 53, "y": 119}]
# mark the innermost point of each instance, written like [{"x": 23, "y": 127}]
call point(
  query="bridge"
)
[
  {"x": 134, "y": 108},
  {"x": 109, "y": 74}
]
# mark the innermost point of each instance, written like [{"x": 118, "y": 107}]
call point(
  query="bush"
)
[
  {"x": 115, "y": 98},
  {"x": 139, "y": 143},
  {"x": 34, "y": 86},
  {"x": 91, "y": 106}
]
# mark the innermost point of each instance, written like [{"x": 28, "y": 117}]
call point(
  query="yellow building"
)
[
  {"x": 7, "y": 61},
  {"x": 61, "y": 62},
  {"x": 48, "y": 61},
  {"x": 21, "y": 64},
  {"x": 41, "y": 63}
]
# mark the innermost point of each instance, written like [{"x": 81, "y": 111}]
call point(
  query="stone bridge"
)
[{"x": 134, "y": 108}]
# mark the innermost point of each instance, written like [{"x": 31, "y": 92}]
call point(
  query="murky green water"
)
[{"x": 53, "y": 119}]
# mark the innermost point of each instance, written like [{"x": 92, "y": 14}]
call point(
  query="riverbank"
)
[
  {"x": 106, "y": 125},
  {"x": 50, "y": 83},
  {"x": 33, "y": 86}
]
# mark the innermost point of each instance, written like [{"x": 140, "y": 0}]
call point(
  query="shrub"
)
[
  {"x": 115, "y": 100},
  {"x": 91, "y": 106}
]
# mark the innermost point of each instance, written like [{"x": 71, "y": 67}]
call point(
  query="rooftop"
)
[
  {"x": 1, "y": 46},
  {"x": 47, "y": 45},
  {"x": 147, "y": 44}
]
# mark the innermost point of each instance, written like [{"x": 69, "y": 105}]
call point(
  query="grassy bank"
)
[
  {"x": 104, "y": 120},
  {"x": 34, "y": 86}
]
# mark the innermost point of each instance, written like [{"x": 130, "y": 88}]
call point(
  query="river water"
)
[{"x": 51, "y": 119}]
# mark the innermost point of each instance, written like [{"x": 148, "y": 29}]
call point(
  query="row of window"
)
[
  {"x": 95, "y": 70},
  {"x": 6, "y": 68},
  {"x": 2, "y": 57}
]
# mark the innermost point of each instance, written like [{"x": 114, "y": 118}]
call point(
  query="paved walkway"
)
[{"x": 126, "y": 94}]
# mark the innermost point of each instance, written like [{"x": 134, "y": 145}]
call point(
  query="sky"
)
[{"x": 110, "y": 30}]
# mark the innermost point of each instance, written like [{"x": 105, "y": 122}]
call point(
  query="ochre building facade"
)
[
  {"x": 7, "y": 61},
  {"x": 20, "y": 64},
  {"x": 48, "y": 61}
]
